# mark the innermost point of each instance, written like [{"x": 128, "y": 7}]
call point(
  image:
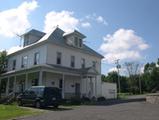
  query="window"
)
[
  {"x": 76, "y": 41},
  {"x": 36, "y": 58},
  {"x": 58, "y": 61},
  {"x": 14, "y": 65},
  {"x": 34, "y": 82},
  {"x": 60, "y": 83},
  {"x": 24, "y": 61},
  {"x": 83, "y": 63},
  {"x": 80, "y": 43},
  {"x": 94, "y": 64},
  {"x": 72, "y": 61}
]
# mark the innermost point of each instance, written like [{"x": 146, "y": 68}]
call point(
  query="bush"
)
[
  {"x": 99, "y": 99},
  {"x": 85, "y": 99},
  {"x": 75, "y": 101}
]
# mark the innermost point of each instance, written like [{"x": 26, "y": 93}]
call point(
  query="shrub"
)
[
  {"x": 75, "y": 101},
  {"x": 85, "y": 99},
  {"x": 101, "y": 99}
]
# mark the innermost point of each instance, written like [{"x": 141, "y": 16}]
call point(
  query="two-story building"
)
[{"x": 57, "y": 59}]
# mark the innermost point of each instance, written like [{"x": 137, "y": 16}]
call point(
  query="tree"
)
[
  {"x": 134, "y": 74},
  {"x": 3, "y": 65},
  {"x": 150, "y": 78},
  {"x": 3, "y": 61}
]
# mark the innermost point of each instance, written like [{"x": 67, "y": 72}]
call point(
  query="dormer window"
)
[
  {"x": 74, "y": 38},
  {"x": 76, "y": 41},
  {"x": 80, "y": 42},
  {"x": 31, "y": 37}
]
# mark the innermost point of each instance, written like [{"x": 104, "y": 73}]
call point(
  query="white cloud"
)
[
  {"x": 142, "y": 69},
  {"x": 15, "y": 21},
  {"x": 96, "y": 18},
  {"x": 64, "y": 19},
  {"x": 123, "y": 44},
  {"x": 122, "y": 70},
  {"x": 13, "y": 49},
  {"x": 85, "y": 24},
  {"x": 114, "y": 69},
  {"x": 100, "y": 19},
  {"x": 68, "y": 22}
]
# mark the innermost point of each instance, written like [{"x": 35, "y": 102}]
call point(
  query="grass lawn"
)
[{"x": 13, "y": 111}]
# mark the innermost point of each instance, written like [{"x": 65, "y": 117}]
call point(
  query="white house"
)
[{"x": 57, "y": 59}]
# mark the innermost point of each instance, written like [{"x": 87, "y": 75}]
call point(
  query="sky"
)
[{"x": 118, "y": 29}]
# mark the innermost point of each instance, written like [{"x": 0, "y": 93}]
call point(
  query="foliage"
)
[
  {"x": 3, "y": 65},
  {"x": 112, "y": 77},
  {"x": 150, "y": 77},
  {"x": 148, "y": 81},
  {"x": 100, "y": 99},
  {"x": 3, "y": 61}
]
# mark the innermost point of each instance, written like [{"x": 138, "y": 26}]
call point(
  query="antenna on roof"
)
[{"x": 20, "y": 36}]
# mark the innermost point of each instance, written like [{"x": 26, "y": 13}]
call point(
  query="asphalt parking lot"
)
[{"x": 122, "y": 111}]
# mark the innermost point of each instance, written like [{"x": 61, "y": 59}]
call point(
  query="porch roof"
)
[
  {"x": 57, "y": 68},
  {"x": 82, "y": 71}
]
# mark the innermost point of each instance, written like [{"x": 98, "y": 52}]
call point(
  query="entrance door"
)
[
  {"x": 21, "y": 86},
  {"x": 77, "y": 90}
]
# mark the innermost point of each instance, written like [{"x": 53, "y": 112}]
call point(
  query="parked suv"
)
[{"x": 40, "y": 96}]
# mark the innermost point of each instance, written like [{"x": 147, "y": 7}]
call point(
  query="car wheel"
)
[
  {"x": 37, "y": 104},
  {"x": 20, "y": 103}
]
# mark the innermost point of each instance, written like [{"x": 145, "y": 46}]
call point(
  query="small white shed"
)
[{"x": 109, "y": 90}]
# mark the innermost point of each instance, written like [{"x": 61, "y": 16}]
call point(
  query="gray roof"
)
[
  {"x": 74, "y": 32},
  {"x": 80, "y": 71},
  {"x": 35, "y": 32},
  {"x": 56, "y": 37}
]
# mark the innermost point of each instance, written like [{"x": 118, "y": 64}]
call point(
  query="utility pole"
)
[
  {"x": 118, "y": 66},
  {"x": 140, "y": 84}
]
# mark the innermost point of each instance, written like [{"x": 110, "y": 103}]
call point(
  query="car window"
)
[
  {"x": 32, "y": 93},
  {"x": 37, "y": 91}
]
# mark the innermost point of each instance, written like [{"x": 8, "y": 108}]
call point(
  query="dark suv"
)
[{"x": 40, "y": 96}]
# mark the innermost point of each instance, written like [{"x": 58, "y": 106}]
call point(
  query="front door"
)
[
  {"x": 77, "y": 90},
  {"x": 21, "y": 86}
]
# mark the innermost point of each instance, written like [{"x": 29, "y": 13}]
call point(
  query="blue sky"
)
[{"x": 118, "y": 29}]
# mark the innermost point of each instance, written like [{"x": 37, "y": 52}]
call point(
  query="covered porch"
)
[{"x": 73, "y": 83}]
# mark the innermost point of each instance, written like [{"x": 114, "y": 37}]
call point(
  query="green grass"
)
[
  {"x": 13, "y": 111},
  {"x": 123, "y": 95}
]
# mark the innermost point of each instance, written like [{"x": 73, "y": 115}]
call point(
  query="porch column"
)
[
  {"x": 96, "y": 86},
  {"x": 7, "y": 86},
  {"x": 87, "y": 87},
  {"x": 14, "y": 84},
  {"x": 81, "y": 87},
  {"x": 40, "y": 78},
  {"x": 26, "y": 81},
  {"x": 63, "y": 86}
]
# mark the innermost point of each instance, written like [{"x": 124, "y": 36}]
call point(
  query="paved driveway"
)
[{"x": 124, "y": 111}]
